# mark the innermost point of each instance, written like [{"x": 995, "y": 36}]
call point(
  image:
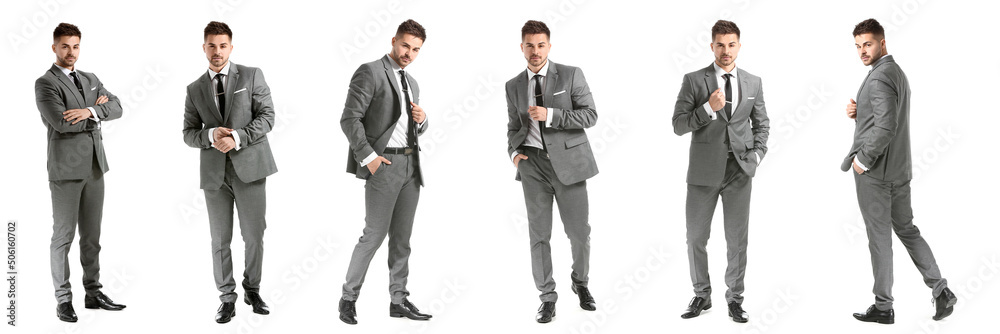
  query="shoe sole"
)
[{"x": 400, "y": 315}]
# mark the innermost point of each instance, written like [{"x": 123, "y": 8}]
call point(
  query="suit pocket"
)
[{"x": 576, "y": 142}]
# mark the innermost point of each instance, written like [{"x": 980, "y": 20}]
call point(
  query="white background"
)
[{"x": 808, "y": 265}]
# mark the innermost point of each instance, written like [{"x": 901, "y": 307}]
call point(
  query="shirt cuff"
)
[
  {"x": 236, "y": 138},
  {"x": 369, "y": 159},
  {"x": 211, "y": 136},
  {"x": 711, "y": 113},
  {"x": 93, "y": 113},
  {"x": 758, "y": 157},
  {"x": 512, "y": 155},
  {"x": 858, "y": 162},
  {"x": 548, "y": 118}
]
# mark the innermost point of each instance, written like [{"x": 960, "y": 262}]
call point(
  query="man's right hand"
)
[
  {"x": 717, "y": 100},
  {"x": 518, "y": 158},
  {"x": 221, "y": 132},
  {"x": 852, "y": 110},
  {"x": 374, "y": 165}
]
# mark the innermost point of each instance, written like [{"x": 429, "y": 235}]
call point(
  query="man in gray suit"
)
[
  {"x": 723, "y": 108},
  {"x": 880, "y": 158},
  {"x": 73, "y": 104},
  {"x": 548, "y": 107},
  {"x": 382, "y": 120},
  {"x": 227, "y": 115}
]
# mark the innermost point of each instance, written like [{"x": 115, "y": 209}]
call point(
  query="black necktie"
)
[
  {"x": 538, "y": 103},
  {"x": 76, "y": 81},
  {"x": 729, "y": 96},
  {"x": 220, "y": 93},
  {"x": 411, "y": 125}
]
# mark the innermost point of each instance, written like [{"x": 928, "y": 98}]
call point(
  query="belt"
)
[{"x": 398, "y": 150}]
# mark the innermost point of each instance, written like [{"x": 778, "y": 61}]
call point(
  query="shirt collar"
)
[
  {"x": 65, "y": 71},
  {"x": 719, "y": 72},
  {"x": 225, "y": 70},
  {"x": 544, "y": 71}
]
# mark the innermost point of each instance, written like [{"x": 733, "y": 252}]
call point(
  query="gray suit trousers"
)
[
  {"x": 251, "y": 203},
  {"x": 885, "y": 207},
  {"x": 77, "y": 203},
  {"x": 541, "y": 185},
  {"x": 701, "y": 202},
  {"x": 391, "y": 196}
]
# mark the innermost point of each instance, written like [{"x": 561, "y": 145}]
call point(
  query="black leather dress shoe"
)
[
  {"x": 875, "y": 315},
  {"x": 253, "y": 299},
  {"x": 101, "y": 301},
  {"x": 347, "y": 312},
  {"x": 65, "y": 312},
  {"x": 586, "y": 300},
  {"x": 546, "y": 312},
  {"x": 944, "y": 303},
  {"x": 226, "y": 312},
  {"x": 406, "y": 309},
  {"x": 737, "y": 313},
  {"x": 695, "y": 307}
]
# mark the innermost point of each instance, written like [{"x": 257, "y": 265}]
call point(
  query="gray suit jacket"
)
[
  {"x": 249, "y": 112},
  {"x": 573, "y": 111},
  {"x": 748, "y": 129},
  {"x": 370, "y": 113},
  {"x": 73, "y": 148},
  {"x": 882, "y": 131}
]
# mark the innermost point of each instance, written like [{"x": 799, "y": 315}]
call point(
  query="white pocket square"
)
[
  {"x": 241, "y": 90},
  {"x": 560, "y": 92},
  {"x": 751, "y": 98},
  {"x": 93, "y": 88}
]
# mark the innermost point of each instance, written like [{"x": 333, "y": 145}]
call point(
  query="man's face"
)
[
  {"x": 217, "y": 49},
  {"x": 405, "y": 49},
  {"x": 725, "y": 47},
  {"x": 67, "y": 49},
  {"x": 870, "y": 48},
  {"x": 536, "y": 49}
]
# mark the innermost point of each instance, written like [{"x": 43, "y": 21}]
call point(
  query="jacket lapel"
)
[
  {"x": 232, "y": 81},
  {"x": 85, "y": 83},
  {"x": 713, "y": 83},
  {"x": 551, "y": 78},
  {"x": 208, "y": 97},
  {"x": 66, "y": 81},
  {"x": 744, "y": 84},
  {"x": 394, "y": 83},
  {"x": 521, "y": 93}
]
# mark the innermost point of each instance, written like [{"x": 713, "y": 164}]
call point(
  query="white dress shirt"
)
[
  {"x": 534, "y": 138},
  {"x": 398, "y": 138},
  {"x": 214, "y": 78},
  {"x": 719, "y": 76},
  {"x": 93, "y": 113}
]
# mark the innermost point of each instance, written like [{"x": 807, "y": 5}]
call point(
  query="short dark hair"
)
[
  {"x": 413, "y": 28},
  {"x": 66, "y": 29},
  {"x": 533, "y": 27},
  {"x": 723, "y": 27},
  {"x": 870, "y": 26},
  {"x": 218, "y": 28}
]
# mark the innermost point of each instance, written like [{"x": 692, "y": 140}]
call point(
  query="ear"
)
[
  {"x": 53, "y": 48},
  {"x": 393, "y": 40}
]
